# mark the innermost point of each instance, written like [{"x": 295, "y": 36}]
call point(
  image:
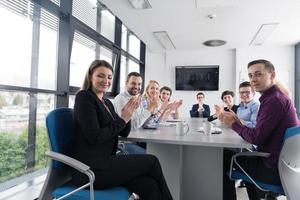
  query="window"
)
[
  {"x": 127, "y": 66},
  {"x": 130, "y": 42},
  {"x": 28, "y": 66},
  {"x": 107, "y": 25},
  {"x": 71, "y": 101},
  {"x": 47, "y": 51},
  {"x": 95, "y": 15},
  {"x": 32, "y": 81},
  {"x": 86, "y": 11},
  {"x": 124, "y": 38},
  {"x": 134, "y": 46},
  {"x": 45, "y": 104},
  {"x": 15, "y": 49},
  {"x": 84, "y": 51},
  {"x": 14, "y": 114}
]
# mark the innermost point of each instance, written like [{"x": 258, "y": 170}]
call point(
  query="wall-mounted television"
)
[{"x": 197, "y": 78}]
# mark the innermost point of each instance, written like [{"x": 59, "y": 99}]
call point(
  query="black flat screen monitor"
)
[{"x": 196, "y": 78}]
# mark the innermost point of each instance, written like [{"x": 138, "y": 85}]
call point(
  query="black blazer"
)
[
  {"x": 195, "y": 113},
  {"x": 97, "y": 130}
]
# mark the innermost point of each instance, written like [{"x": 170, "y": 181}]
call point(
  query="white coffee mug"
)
[
  {"x": 207, "y": 128},
  {"x": 182, "y": 128}
]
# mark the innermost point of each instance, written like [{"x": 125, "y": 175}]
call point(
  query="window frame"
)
[{"x": 67, "y": 25}]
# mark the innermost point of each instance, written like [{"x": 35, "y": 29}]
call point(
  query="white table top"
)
[{"x": 228, "y": 138}]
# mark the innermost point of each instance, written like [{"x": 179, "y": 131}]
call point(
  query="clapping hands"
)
[
  {"x": 167, "y": 108},
  {"x": 219, "y": 110},
  {"x": 153, "y": 103},
  {"x": 228, "y": 117},
  {"x": 130, "y": 106}
]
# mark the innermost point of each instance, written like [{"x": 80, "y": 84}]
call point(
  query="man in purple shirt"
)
[{"x": 275, "y": 115}]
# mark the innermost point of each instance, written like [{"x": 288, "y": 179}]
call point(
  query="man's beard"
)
[{"x": 133, "y": 92}]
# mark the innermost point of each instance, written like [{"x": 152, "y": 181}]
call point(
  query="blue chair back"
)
[
  {"x": 60, "y": 126},
  {"x": 289, "y": 163},
  {"x": 61, "y": 133}
]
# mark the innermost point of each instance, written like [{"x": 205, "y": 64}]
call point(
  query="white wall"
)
[
  {"x": 155, "y": 67},
  {"x": 233, "y": 68},
  {"x": 163, "y": 70}
]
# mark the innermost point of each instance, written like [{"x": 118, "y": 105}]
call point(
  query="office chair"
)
[
  {"x": 60, "y": 127},
  {"x": 289, "y": 163},
  {"x": 268, "y": 190},
  {"x": 288, "y": 166}
]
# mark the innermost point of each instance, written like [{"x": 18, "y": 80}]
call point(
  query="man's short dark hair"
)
[
  {"x": 133, "y": 74},
  {"x": 166, "y": 88},
  {"x": 227, "y": 92},
  {"x": 268, "y": 65},
  {"x": 200, "y": 93},
  {"x": 245, "y": 84}
]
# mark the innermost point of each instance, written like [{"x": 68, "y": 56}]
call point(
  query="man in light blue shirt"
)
[{"x": 248, "y": 107}]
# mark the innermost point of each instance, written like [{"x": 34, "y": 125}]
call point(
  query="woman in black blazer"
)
[
  {"x": 200, "y": 109},
  {"x": 97, "y": 130},
  {"x": 227, "y": 97}
]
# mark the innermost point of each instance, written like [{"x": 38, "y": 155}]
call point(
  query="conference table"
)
[{"x": 193, "y": 163}]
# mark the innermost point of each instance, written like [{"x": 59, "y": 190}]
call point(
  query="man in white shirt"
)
[
  {"x": 140, "y": 115},
  {"x": 133, "y": 89}
]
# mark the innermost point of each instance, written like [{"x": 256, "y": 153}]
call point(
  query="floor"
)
[{"x": 30, "y": 191}]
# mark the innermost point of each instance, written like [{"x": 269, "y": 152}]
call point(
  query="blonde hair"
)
[
  {"x": 94, "y": 65},
  {"x": 283, "y": 88},
  {"x": 146, "y": 93}
]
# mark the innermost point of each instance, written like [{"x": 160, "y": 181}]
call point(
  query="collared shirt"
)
[
  {"x": 139, "y": 115},
  {"x": 248, "y": 113},
  {"x": 275, "y": 115}
]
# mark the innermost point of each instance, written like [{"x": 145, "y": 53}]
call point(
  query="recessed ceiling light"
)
[
  {"x": 140, "y": 4},
  {"x": 263, "y": 33},
  {"x": 164, "y": 39},
  {"x": 214, "y": 43}
]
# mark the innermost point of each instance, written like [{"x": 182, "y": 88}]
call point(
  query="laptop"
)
[{"x": 151, "y": 123}]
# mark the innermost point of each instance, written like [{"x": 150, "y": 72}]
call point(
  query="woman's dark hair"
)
[
  {"x": 227, "y": 92},
  {"x": 166, "y": 88},
  {"x": 95, "y": 64},
  {"x": 200, "y": 93}
]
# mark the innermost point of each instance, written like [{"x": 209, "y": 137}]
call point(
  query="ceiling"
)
[{"x": 188, "y": 26}]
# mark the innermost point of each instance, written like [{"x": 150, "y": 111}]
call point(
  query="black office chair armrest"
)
[
  {"x": 251, "y": 154},
  {"x": 248, "y": 154}
]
